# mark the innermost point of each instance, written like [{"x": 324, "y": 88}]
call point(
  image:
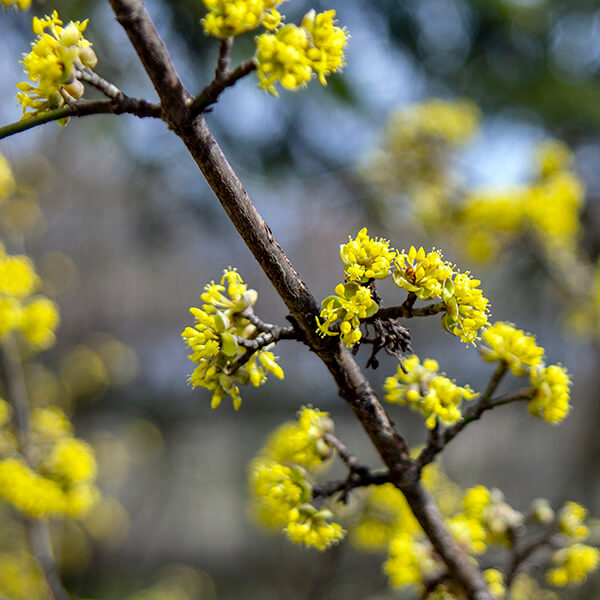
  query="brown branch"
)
[
  {"x": 353, "y": 481},
  {"x": 407, "y": 311},
  {"x": 210, "y": 94},
  {"x": 351, "y": 382},
  {"x": 438, "y": 440},
  {"x": 106, "y": 87},
  {"x": 520, "y": 555},
  {"x": 83, "y": 108},
  {"x": 349, "y": 459},
  {"x": 224, "y": 60},
  {"x": 16, "y": 393}
]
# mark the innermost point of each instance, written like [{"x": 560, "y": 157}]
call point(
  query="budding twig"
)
[{"x": 106, "y": 87}]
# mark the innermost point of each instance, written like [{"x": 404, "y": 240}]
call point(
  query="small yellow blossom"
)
[
  {"x": 466, "y": 308},
  {"x": 301, "y": 442},
  {"x": 409, "y": 561},
  {"x": 56, "y": 54},
  {"x": 292, "y": 54},
  {"x": 312, "y": 528},
  {"x": 275, "y": 490},
  {"x": 573, "y": 564},
  {"x": 495, "y": 581},
  {"x": 17, "y": 276},
  {"x": 228, "y": 18},
  {"x": 366, "y": 258},
  {"x": 19, "y": 4},
  {"x": 423, "y": 389},
  {"x": 571, "y": 521},
  {"x": 214, "y": 341},
  {"x": 352, "y": 303},
  {"x": 423, "y": 273},
  {"x": 552, "y": 394},
  {"x": 503, "y": 341},
  {"x": 525, "y": 587},
  {"x": 70, "y": 460},
  {"x": 39, "y": 321}
]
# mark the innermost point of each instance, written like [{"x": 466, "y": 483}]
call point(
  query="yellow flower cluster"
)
[
  {"x": 301, "y": 442},
  {"x": 213, "y": 339},
  {"x": 525, "y": 587},
  {"x": 228, "y": 18},
  {"x": 35, "y": 317},
  {"x": 312, "y": 528},
  {"x": 410, "y": 561},
  {"x": 19, "y": 4},
  {"x": 352, "y": 303},
  {"x": 292, "y": 54},
  {"x": 422, "y": 388},
  {"x": 552, "y": 393},
  {"x": 571, "y": 521},
  {"x": 383, "y": 513},
  {"x": 504, "y": 342},
  {"x": 280, "y": 486},
  {"x": 424, "y": 274},
  {"x": 51, "y": 65},
  {"x": 60, "y": 480},
  {"x": 367, "y": 258},
  {"x": 573, "y": 564}
]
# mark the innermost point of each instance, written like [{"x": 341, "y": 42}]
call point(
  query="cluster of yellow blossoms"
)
[
  {"x": 59, "y": 479},
  {"x": 56, "y": 55},
  {"x": 292, "y": 54},
  {"x": 504, "y": 342},
  {"x": 19, "y": 4},
  {"x": 280, "y": 481},
  {"x": 216, "y": 340},
  {"x": 36, "y": 317},
  {"x": 228, "y": 18},
  {"x": 422, "y": 388},
  {"x": 426, "y": 275}
]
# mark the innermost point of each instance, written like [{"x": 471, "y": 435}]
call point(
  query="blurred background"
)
[{"x": 126, "y": 234}]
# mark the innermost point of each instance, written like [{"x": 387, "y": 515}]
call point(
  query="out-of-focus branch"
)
[
  {"x": 351, "y": 382},
  {"x": 83, "y": 108},
  {"x": 521, "y": 555},
  {"x": 16, "y": 392}
]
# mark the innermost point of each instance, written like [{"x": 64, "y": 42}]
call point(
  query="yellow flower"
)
[
  {"x": 39, "y": 320},
  {"x": 466, "y": 308},
  {"x": 422, "y": 273},
  {"x": 424, "y": 390},
  {"x": 292, "y": 54},
  {"x": 503, "y": 341},
  {"x": 495, "y": 581},
  {"x": 366, "y": 258},
  {"x": 71, "y": 461},
  {"x": 571, "y": 521},
  {"x": 7, "y": 179},
  {"x": 17, "y": 276},
  {"x": 409, "y": 561},
  {"x": 551, "y": 400},
  {"x": 301, "y": 442},
  {"x": 328, "y": 42},
  {"x": 552, "y": 156},
  {"x": 573, "y": 564},
  {"x": 352, "y": 303},
  {"x": 56, "y": 53},
  {"x": 19, "y": 4},
  {"x": 228, "y": 18},
  {"x": 311, "y": 528}
]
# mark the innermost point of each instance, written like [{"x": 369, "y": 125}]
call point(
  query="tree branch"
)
[
  {"x": 16, "y": 392},
  {"x": 108, "y": 89},
  {"x": 408, "y": 311},
  {"x": 83, "y": 108},
  {"x": 351, "y": 382},
  {"x": 353, "y": 481},
  {"x": 210, "y": 94}
]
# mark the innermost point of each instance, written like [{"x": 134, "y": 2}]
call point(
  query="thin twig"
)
[
  {"x": 353, "y": 481},
  {"x": 224, "y": 60},
  {"x": 83, "y": 108},
  {"x": 407, "y": 311},
  {"x": 106, "y": 87},
  {"x": 439, "y": 439},
  {"x": 210, "y": 94},
  {"x": 520, "y": 555},
  {"x": 349, "y": 459},
  {"x": 16, "y": 392}
]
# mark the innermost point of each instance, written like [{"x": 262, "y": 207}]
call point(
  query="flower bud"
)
[
  {"x": 70, "y": 35},
  {"x": 88, "y": 57}
]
